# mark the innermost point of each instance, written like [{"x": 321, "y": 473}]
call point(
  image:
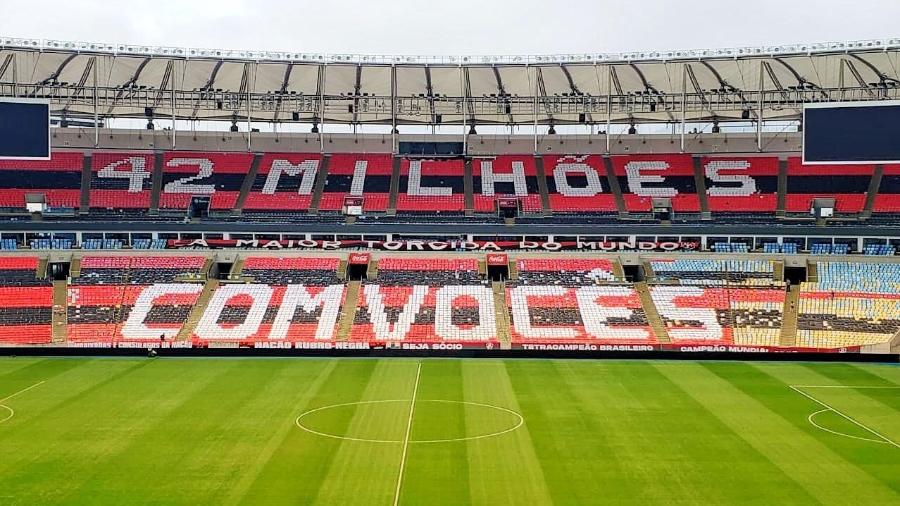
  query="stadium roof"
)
[{"x": 120, "y": 80}]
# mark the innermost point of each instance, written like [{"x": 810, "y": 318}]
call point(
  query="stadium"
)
[{"x": 259, "y": 277}]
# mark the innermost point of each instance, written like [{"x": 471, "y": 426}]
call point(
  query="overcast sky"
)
[{"x": 452, "y": 27}]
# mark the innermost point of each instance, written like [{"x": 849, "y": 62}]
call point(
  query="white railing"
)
[{"x": 382, "y": 59}]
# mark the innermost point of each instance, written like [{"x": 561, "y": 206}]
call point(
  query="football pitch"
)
[{"x": 444, "y": 431}]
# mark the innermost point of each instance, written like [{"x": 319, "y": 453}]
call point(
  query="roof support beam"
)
[
  {"x": 357, "y": 89},
  {"x": 127, "y": 85},
  {"x": 541, "y": 93},
  {"x": 575, "y": 91},
  {"x": 429, "y": 92},
  {"x": 501, "y": 92},
  {"x": 285, "y": 81}
]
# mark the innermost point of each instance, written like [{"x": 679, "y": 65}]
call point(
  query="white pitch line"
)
[
  {"x": 39, "y": 383},
  {"x": 859, "y": 424},
  {"x": 11, "y": 412},
  {"x": 840, "y": 386},
  {"x": 412, "y": 409}
]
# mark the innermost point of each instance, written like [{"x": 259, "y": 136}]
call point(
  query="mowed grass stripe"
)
[
  {"x": 295, "y": 387},
  {"x": 86, "y": 430},
  {"x": 298, "y": 467},
  {"x": 609, "y": 460},
  {"x": 159, "y": 451},
  {"x": 887, "y": 372},
  {"x": 878, "y": 460},
  {"x": 439, "y": 471},
  {"x": 13, "y": 367},
  {"x": 504, "y": 469},
  {"x": 670, "y": 446},
  {"x": 775, "y": 417},
  {"x": 851, "y": 376},
  {"x": 366, "y": 473}
]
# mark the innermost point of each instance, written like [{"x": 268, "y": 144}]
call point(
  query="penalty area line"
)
[
  {"x": 412, "y": 410},
  {"x": 8, "y": 397},
  {"x": 827, "y": 407}
]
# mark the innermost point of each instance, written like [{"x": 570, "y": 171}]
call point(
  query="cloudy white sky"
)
[{"x": 452, "y": 27}]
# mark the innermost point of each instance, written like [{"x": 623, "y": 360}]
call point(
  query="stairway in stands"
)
[
  {"x": 348, "y": 311},
  {"x": 790, "y": 315},
  {"x": 501, "y": 314},
  {"x": 187, "y": 330},
  {"x": 653, "y": 317},
  {"x": 60, "y": 314}
]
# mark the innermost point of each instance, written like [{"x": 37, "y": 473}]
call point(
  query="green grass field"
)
[{"x": 226, "y": 431}]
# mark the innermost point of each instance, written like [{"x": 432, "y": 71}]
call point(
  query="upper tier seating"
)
[
  {"x": 888, "y": 198},
  {"x": 852, "y": 304},
  {"x": 505, "y": 176},
  {"x": 58, "y": 179},
  {"x": 788, "y": 248},
  {"x": 26, "y": 302},
  {"x": 426, "y": 299},
  {"x": 431, "y": 185},
  {"x": 122, "y": 181},
  {"x": 879, "y": 250},
  {"x": 578, "y": 184},
  {"x": 716, "y": 315},
  {"x": 217, "y": 175},
  {"x": 293, "y": 299},
  {"x": 284, "y": 182},
  {"x": 847, "y": 184},
  {"x": 714, "y": 272},
  {"x": 735, "y": 247},
  {"x": 352, "y": 175},
  {"x": 570, "y": 300},
  {"x": 133, "y": 298},
  {"x": 644, "y": 177},
  {"x": 741, "y": 184}
]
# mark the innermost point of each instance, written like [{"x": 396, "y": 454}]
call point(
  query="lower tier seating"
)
[
  {"x": 288, "y": 299},
  {"x": 426, "y": 299},
  {"x": 26, "y": 303},
  {"x": 716, "y": 315},
  {"x": 852, "y": 304}
]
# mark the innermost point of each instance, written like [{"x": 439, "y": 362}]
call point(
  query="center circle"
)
[
  {"x": 8, "y": 409},
  {"x": 515, "y": 420}
]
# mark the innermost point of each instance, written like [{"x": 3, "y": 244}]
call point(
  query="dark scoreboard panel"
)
[
  {"x": 24, "y": 130},
  {"x": 851, "y": 132}
]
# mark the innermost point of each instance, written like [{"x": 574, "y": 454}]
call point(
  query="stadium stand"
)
[
  {"x": 58, "y": 179},
  {"x": 284, "y": 182},
  {"x": 217, "y": 175},
  {"x": 714, "y": 272},
  {"x": 847, "y": 184},
  {"x": 644, "y": 177},
  {"x": 121, "y": 181},
  {"x": 132, "y": 298},
  {"x": 26, "y": 302},
  {"x": 741, "y": 185},
  {"x": 426, "y": 300},
  {"x": 574, "y": 300},
  {"x": 852, "y": 304},
  {"x": 578, "y": 184},
  {"x": 431, "y": 185},
  {"x": 366, "y": 175},
  {"x": 888, "y": 198},
  {"x": 506, "y": 176},
  {"x": 749, "y": 315},
  {"x": 286, "y": 299}
]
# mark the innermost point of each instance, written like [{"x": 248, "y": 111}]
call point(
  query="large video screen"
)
[
  {"x": 851, "y": 132},
  {"x": 24, "y": 129}
]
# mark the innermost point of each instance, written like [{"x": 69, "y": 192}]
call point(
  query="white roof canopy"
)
[{"x": 725, "y": 84}]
